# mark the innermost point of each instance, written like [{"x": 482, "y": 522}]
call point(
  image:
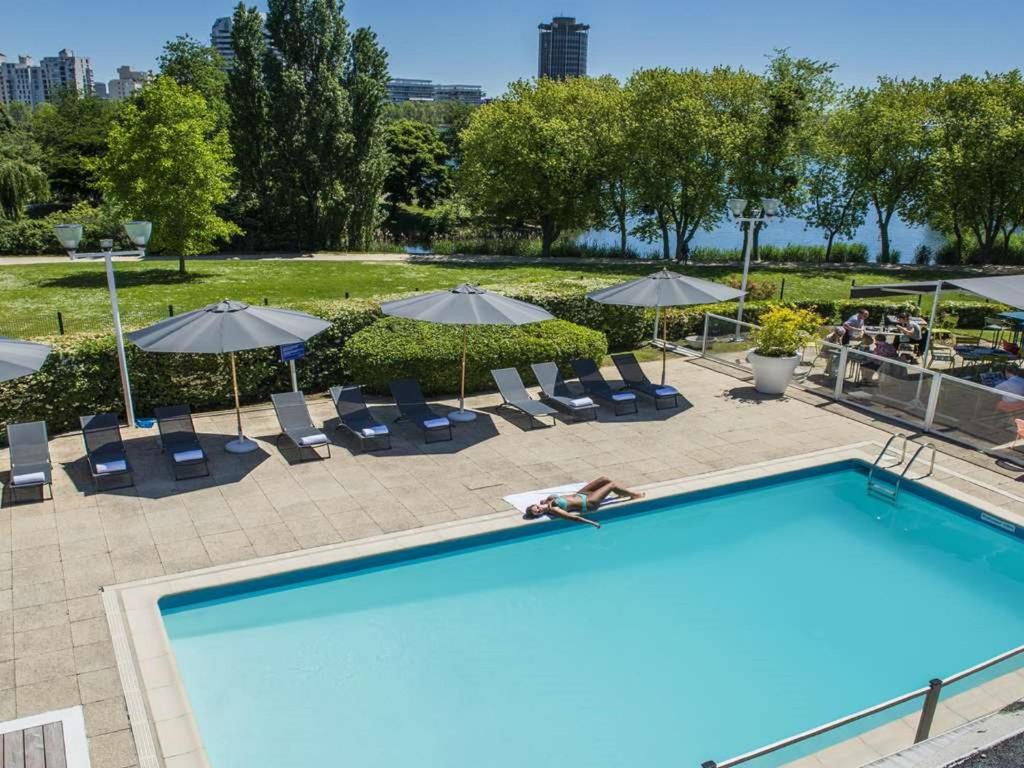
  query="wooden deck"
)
[{"x": 41, "y": 746}]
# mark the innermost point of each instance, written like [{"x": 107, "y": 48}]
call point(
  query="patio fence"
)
[{"x": 967, "y": 412}]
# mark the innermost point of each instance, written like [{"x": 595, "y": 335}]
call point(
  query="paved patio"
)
[{"x": 55, "y": 556}]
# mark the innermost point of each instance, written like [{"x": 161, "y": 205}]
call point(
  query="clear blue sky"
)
[{"x": 491, "y": 42}]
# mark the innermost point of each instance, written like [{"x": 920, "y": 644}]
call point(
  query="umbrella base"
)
[
  {"x": 461, "y": 416},
  {"x": 241, "y": 444}
]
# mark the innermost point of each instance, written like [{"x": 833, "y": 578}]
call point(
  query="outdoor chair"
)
[
  {"x": 556, "y": 393},
  {"x": 293, "y": 418},
  {"x": 634, "y": 378},
  {"x": 30, "y": 458},
  {"x": 105, "y": 449},
  {"x": 355, "y": 417},
  {"x": 595, "y": 386},
  {"x": 178, "y": 440},
  {"x": 413, "y": 407},
  {"x": 515, "y": 396}
]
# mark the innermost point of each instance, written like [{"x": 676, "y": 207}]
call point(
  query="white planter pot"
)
[{"x": 772, "y": 374}]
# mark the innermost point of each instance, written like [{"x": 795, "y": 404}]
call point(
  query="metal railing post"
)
[
  {"x": 704, "y": 339},
  {"x": 933, "y": 402},
  {"x": 60, "y": 323},
  {"x": 837, "y": 392},
  {"x": 931, "y": 702}
]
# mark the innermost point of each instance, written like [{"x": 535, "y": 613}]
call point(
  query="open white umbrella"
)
[
  {"x": 225, "y": 328},
  {"x": 665, "y": 289},
  {"x": 21, "y": 358},
  {"x": 466, "y": 305}
]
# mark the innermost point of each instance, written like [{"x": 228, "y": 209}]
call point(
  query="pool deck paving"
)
[{"x": 56, "y": 555}]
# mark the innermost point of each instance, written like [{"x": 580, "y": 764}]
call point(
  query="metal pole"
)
[
  {"x": 704, "y": 340},
  {"x": 747, "y": 250},
  {"x": 837, "y": 391},
  {"x": 931, "y": 324},
  {"x": 931, "y": 702},
  {"x": 462, "y": 414},
  {"x": 295, "y": 378},
  {"x": 238, "y": 404},
  {"x": 664, "y": 346},
  {"x": 657, "y": 319},
  {"x": 122, "y": 359}
]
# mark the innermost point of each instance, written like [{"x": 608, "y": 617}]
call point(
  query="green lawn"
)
[{"x": 33, "y": 294}]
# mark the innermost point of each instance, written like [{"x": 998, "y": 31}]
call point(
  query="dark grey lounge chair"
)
[
  {"x": 557, "y": 394},
  {"x": 514, "y": 394},
  {"x": 178, "y": 440},
  {"x": 412, "y": 406},
  {"x": 30, "y": 458},
  {"x": 354, "y": 416},
  {"x": 293, "y": 418},
  {"x": 634, "y": 378},
  {"x": 105, "y": 449},
  {"x": 595, "y": 386}
]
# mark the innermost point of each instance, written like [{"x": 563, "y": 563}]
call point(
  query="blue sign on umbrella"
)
[{"x": 295, "y": 351}]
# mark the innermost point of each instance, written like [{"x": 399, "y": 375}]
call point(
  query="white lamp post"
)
[
  {"x": 759, "y": 216},
  {"x": 70, "y": 235}
]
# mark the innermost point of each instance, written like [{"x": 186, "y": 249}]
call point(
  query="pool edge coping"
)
[{"x": 163, "y": 724}]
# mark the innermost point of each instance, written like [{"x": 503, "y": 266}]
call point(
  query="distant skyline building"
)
[
  {"x": 33, "y": 83},
  {"x": 220, "y": 37},
  {"x": 408, "y": 89},
  {"x": 128, "y": 82},
  {"x": 562, "y": 48}
]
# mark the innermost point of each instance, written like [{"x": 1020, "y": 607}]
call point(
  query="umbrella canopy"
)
[
  {"x": 665, "y": 289},
  {"x": 229, "y": 327},
  {"x": 20, "y": 358},
  {"x": 466, "y": 305}
]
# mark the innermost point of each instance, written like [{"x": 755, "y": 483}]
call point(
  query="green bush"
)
[
  {"x": 28, "y": 237},
  {"x": 624, "y": 327},
  {"x": 394, "y": 348}
]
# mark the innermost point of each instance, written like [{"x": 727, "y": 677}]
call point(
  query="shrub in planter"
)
[
  {"x": 781, "y": 333},
  {"x": 394, "y": 348}
]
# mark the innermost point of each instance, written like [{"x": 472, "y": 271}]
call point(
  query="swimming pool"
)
[{"x": 690, "y": 627}]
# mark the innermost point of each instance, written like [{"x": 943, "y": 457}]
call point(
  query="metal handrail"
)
[
  {"x": 931, "y": 466},
  {"x": 931, "y": 692}
]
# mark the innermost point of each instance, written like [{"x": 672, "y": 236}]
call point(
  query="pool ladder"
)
[{"x": 891, "y": 490}]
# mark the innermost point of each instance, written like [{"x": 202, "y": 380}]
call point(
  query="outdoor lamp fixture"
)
[
  {"x": 70, "y": 235},
  {"x": 757, "y": 216}
]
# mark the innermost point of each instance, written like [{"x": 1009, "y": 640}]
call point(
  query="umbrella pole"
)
[
  {"x": 240, "y": 444},
  {"x": 462, "y": 414},
  {"x": 664, "y": 346}
]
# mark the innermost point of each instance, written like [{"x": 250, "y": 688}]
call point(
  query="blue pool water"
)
[{"x": 697, "y": 627}]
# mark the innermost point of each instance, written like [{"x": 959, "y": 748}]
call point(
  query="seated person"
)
[
  {"x": 854, "y": 325},
  {"x": 836, "y": 335},
  {"x": 912, "y": 329},
  {"x": 879, "y": 347},
  {"x": 573, "y": 506},
  {"x": 1014, "y": 385}
]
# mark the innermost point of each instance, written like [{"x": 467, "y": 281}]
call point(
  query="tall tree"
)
[
  {"x": 169, "y": 162},
  {"x": 72, "y": 132},
  {"x": 419, "y": 173},
  {"x": 883, "y": 132},
  {"x": 531, "y": 155},
  {"x": 248, "y": 121},
  {"x": 199, "y": 67},
  {"x": 22, "y": 180},
  {"x": 310, "y": 117},
  {"x": 612, "y": 132},
  {"x": 366, "y": 80}
]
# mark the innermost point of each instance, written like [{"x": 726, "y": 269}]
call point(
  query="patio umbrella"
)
[
  {"x": 225, "y": 328},
  {"x": 20, "y": 358},
  {"x": 665, "y": 289},
  {"x": 466, "y": 305}
]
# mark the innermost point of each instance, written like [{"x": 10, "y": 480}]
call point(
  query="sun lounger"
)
[
  {"x": 595, "y": 386},
  {"x": 634, "y": 378},
  {"x": 412, "y": 406},
  {"x": 557, "y": 394},
  {"x": 30, "y": 458},
  {"x": 355, "y": 417},
  {"x": 515, "y": 396},
  {"x": 178, "y": 440},
  {"x": 105, "y": 449},
  {"x": 293, "y": 418}
]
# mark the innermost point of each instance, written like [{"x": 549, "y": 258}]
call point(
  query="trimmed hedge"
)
[{"x": 394, "y": 348}]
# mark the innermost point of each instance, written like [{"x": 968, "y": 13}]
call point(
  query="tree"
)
[
  {"x": 310, "y": 117},
  {"x": 419, "y": 172},
  {"x": 248, "y": 121},
  {"x": 72, "y": 132},
  {"x": 448, "y": 117},
  {"x": 169, "y": 162},
  {"x": 833, "y": 201},
  {"x": 975, "y": 186},
  {"x": 612, "y": 132},
  {"x": 199, "y": 67},
  {"x": 883, "y": 133},
  {"x": 22, "y": 180},
  {"x": 531, "y": 155},
  {"x": 366, "y": 82}
]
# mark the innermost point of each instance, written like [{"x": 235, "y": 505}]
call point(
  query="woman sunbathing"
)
[{"x": 573, "y": 506}]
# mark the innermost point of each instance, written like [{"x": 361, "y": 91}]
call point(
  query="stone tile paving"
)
[{"x": 55, "y": 555}]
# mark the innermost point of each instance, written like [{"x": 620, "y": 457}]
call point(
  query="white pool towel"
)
[
  {"x": 623, "y": 396},
  {"x": 29, "y": 478},
  {"x": 522, "y": 500},
  {"x": 310, "y": 440},
  {"x": 109, "y": 467},
  {"x": 182, "y": 456},
  {"x": 437, "y": 423},
  {"x": 666, "y": 391},
  {"x": 581, "y": 402},
  {"x": 377, "y": 429}
]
